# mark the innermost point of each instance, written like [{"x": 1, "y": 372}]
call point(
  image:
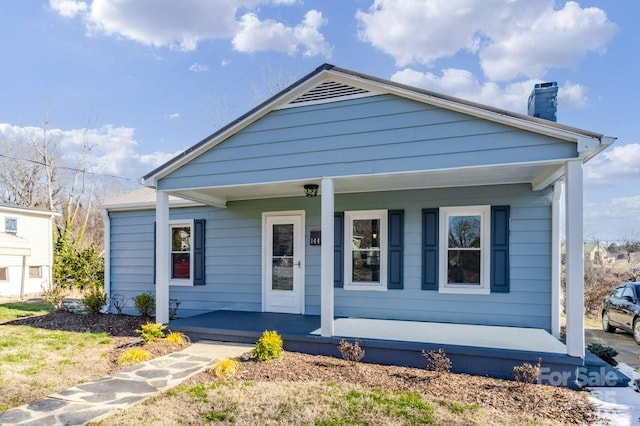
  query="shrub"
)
[
  {"x": 606, "y": 353},
  {"x": 177, "y": 338},
  {"x": 225, "y": 368},
  {"x": 119, "y": 302},
  {"x": 94, "y": 300},
  {"x": 526, "y": 373},
  {"x": 151, "y": 331},
  {"x": 54, "y": 296},
  {"x": 268, "y": 346},
  {"x": 134, "y": 356},
  {"x": 145, "y": 303},
  {"x": 437, "y": 361},
  {"x": 351, "y": 352}
]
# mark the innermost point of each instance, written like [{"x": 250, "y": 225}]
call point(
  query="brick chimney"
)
[{"x": 543, "y": 101}]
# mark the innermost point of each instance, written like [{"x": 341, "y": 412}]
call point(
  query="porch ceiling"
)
[{"x": 539, "y": 175}]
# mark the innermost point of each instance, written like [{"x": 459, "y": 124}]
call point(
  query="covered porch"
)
[{"x": 473, "y": 349}]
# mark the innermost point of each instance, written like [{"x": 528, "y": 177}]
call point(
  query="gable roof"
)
[
  {"x": 329, "y": 83},
  {"x": 16, "y": 209}
]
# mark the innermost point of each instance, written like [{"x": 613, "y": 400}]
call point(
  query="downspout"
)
[{"x": 107, "y": 257}]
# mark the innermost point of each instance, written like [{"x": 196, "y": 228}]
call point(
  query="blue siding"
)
[
  {"x": 354, "y": 137},
  {"x": 233, "y": 258}
]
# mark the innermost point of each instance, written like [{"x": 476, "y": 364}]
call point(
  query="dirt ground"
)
[{"x": 546, "y": 402}]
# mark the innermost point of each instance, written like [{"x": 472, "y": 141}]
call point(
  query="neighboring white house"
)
[{"x": 26, "y": 250}]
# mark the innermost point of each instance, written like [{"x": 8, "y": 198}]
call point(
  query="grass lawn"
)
[{"x": 14, "y": 310}]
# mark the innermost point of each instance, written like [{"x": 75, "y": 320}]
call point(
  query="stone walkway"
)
[{"x": 93, "y": 400}]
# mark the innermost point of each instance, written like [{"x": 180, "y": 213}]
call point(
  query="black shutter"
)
[
  {"x": 500, "y": 249},
  {"x": 198, "y": 252},
  {"x": 338, "y": 250},
  {"x": 395, "y": 263},
  {"x": 430, "y": 225}
]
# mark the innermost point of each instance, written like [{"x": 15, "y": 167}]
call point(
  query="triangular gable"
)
[{"x": 331, "y": 84}]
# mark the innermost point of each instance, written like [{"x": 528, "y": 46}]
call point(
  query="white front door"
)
[{"x": 283, "y": 262}]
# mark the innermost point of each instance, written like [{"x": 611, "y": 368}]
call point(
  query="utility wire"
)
[{"x": 72, "y": 169}]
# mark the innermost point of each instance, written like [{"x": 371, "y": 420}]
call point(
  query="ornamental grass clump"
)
[
  {"x": 351, "y": 352},
  {"x": 268, "y": 346},
  {"x": 225, "y": 368},
  {"x": 526, "y": 373},
  {"x": 176, "y": 338},
  {"x": 134, "y": 356},
  {"x": 437, "y": 361},
  {"x": 151, "y": 331}
]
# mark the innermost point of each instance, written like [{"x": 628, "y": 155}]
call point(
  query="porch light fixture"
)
[{"x": 311, "y": 190}]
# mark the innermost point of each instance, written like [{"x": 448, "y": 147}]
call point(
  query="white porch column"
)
[
  {"x": 162, "y": 247},
  {"x": 326, "y": 258},
  {"x": 556, "y": 260},
  {"x": 575, "y": 261}
]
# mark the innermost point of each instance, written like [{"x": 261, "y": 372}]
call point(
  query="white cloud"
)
[
  {"x": 225, "y": 62},
  {"x": 174, "y": 116},
  {"x": 269, "y": 35},
  {"x": 511, "y": 38},
  {"x": 196, "y": 67},
  {"x": 68, "y": 8},
  {"x": 616, "y": 164},
  {"x": 182, "y": 25},
  {"x": 463, "y": 84},
  {"x": 113, "y": 150}
]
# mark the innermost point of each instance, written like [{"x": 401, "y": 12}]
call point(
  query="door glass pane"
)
[
  {"x": 464, "y": 232},
  {"x": 464, "y": 267},
  {"x": 282, "y": 261}
]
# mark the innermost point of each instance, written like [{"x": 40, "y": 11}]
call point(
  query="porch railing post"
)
[
  {"x": 575, "y": 259},
  {"x": 162, "y": 247},
  {"x": 326, "y": 258}
]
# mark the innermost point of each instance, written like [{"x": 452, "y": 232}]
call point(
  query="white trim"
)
[
  {"x": 327, "y": 223},
  {"x": 181, "y": 282},
  {"x": 299, "y": 258},
  {"x": 162, "y": 267},
  {"x": 106, "y": 221},
  {"x": 25, "y": 210},
  {"x": 574, "y": 259},
  {"x": 484, "y": 211},
  {"x": 556, "y": 240},
  {"x": 349, "y": 217}
]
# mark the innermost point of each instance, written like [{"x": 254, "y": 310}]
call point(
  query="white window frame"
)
[
  {"x": 181, "y": 282},
  {"x": 6, "y": 272},
  {"x": 349, "y": 217},
  {"x": 484, "y": 211},
  {"x": 11, "y": 231}
]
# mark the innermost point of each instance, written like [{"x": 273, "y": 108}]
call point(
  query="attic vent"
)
[{"x": 328, "y": 90}]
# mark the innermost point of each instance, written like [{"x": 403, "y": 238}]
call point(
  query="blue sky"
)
[{"x": 142, "y": 80}]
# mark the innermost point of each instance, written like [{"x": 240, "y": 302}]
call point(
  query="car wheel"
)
[
  {"x": 636, "y": 330},
  {"x": 605, "y": 323}
]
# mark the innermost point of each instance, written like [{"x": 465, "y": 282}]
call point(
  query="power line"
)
[{"x": 72, "y": 169}]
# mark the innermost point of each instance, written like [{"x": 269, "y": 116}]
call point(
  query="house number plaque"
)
[{"x": 315, "y": 239}]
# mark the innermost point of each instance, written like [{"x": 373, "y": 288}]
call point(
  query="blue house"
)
[{"x": 360, "y": 207}]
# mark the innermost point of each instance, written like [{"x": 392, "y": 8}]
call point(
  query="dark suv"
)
[{"x": 621, "y": 309}]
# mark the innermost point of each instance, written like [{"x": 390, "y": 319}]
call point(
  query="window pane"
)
[
  {"x": 366, "y": 266},
  {"x": 11, "y": 225},
  {"x": 4, "y": 274},
  {"x": 366, "y": 233},
  {"x": 180, "y": 265},
  {"x": 464, "y": 232},
  {"x": 283, "y": 240},
  {"x": 181, "y": 238},
  {"x": 35, "y": 272},
  {"x": 464, "y": 266},
  {"x": 282, "y": 273}
]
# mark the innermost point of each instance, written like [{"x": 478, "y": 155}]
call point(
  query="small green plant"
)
[
  {"x": 527, "y": 373},
  {"x": 437, "y": 361},
  {"x": 54, "y": 296},
  {"x": 458, "y": 407},
  {"x": 606, "y": 353},
  {"x": 225, "y": 368},
  {"x": 118, "y": 301},
  {"x": 94, "y": 300},
  {"x": 268, "y": 346},
  {"x": 151, "y": 331},
  {"x": 177, "y": 338},
  {"x": 145, "y": 303},
  {"x": 134, "y": 356},
  {"x": 351, "y": 352}
]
